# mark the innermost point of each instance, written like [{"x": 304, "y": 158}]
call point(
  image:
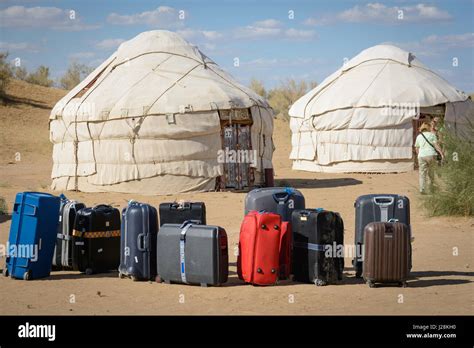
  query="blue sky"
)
[{"x": 273, "y": 40}]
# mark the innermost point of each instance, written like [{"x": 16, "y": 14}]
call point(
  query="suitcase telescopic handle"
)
[
  {"x": 281, "y": 196},
  {"x": 383, "y": 200},
  {"x": 182, "y": 205}
]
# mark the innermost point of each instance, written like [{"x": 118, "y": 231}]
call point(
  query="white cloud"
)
[
  {"x": 18, "y": 46},
  {"x": 163, "y": 17},
  {"x": 437, "y": 44},
  {"x": 81, "y": 55},
  {"x": 109, "y": 44},
  {"x": 42, "y": 17},
  {"x": 191, "y": 34},
  {"x": 271, "y": 28},
  {"x": 380, "y": 13}
]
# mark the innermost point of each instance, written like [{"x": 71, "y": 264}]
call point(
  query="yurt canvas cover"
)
[
  {"x": 359, "y": 119},
  {"x": 152, "y": 119}
]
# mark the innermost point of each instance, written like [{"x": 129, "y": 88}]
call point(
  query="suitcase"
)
[
  {"x": 386, "y": 253},
  {"x": 138, "y": 241},
  {"x": 62, "y": 257},
  {"x": 179, "y": 212},
  {"x": 192, "y": 253},
  {"x": 314, "y": 231},
  {"x": 96, "y": 240},
  {"x": 279, "y": 200},
  {"x": 32, "y": 235},
  {"x": 373, "y": 208},
  {"x": 264, "y": 249}
]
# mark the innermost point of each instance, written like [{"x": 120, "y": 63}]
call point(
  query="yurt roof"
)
[
  {"x": 157, "y": 72},
  {"x": 379, "y": 76}
]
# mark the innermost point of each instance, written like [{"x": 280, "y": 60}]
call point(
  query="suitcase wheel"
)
[
  {"x": 403, "y": 284},
  {"x": 259, "y": 270},
  {"x": 276, "y": 227},
  {"x": 264, "y": 227},
  {"x": 5, "y": 271},
  {"x": 204, "y": 285},
  {"x": 27, "y": 275},
  {"x": 121, "y": 275},
  {"x": 134, "y": 278},
  {"x": 89, "y": 271},
  {"x": 319, "y": 282},
  {"x": 371, "y": 284},
  {"x": 158, "y": 279}
]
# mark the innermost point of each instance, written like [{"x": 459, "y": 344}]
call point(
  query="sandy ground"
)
[{"x": 441, "y": 282}]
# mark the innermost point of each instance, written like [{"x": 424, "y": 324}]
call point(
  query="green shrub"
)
[
  {"x": 40, "y": 77},
  {"x": 3, "y": 206},
  {"x": 5, "y": 73},
  {"x": 453, "y": 189}
]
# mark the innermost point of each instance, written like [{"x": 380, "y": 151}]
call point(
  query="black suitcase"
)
[
  {"x": 62, "y": 258},
  {"x": 138, "y": 241},
  {"x": 179, "y": 212},
  {"x": 314, "y": 232},
  {"x": 96, "y": 239},
  {"x": 192, "y": 254},
  {"x": 377, "y": 208},
  {"x": 278, "y": 200}
]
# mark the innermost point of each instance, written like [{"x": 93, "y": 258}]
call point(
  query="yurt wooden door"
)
[{"x": 237, "y": 148}]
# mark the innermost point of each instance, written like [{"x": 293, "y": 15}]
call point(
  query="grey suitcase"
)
[
  {"x": 278, "y": 200},
  {"x": 377, "y": 208},
  {"x": 138, "y": 241},
  {"x": 62, "y": 257},
  {"x": 192, "y": 254}
]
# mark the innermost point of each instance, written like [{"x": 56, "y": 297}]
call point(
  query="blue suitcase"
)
[{"x": 32, "y": 235}]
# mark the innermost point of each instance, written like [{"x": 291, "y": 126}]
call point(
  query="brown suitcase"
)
[{"x": 387, "y": 253}]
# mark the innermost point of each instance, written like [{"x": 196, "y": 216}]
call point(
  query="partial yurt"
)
[
  {"x": 364, "y": 117},
  {"x": 160, "y": 117}
]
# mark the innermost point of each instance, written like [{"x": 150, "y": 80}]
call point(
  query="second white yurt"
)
[{"x": 363, "y": 117}]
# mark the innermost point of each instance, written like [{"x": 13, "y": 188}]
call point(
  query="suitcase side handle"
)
[
  {"x": 180, "y": 205},
  {"x": 34, "y": 210},
  {"x": 383, "y": 200},
  {"x": 187, "y": 222},
  {"x": 141, "y": 245}
]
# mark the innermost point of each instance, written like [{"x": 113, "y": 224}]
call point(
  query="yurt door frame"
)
[{"x": 237, "y": 147}]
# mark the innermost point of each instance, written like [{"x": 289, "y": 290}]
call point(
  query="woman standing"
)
[{"x": 427, "y": 148}]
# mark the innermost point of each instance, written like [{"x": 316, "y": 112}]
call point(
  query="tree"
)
[
  {"x": 75, "y": 74},
  {"x": 20, "y": 73},
  {"x": 40, "y": 77},
  {"x": 283, "y": 96},
  {"x": 5, "y": 73},
  {"x": 257, "y": 87}
]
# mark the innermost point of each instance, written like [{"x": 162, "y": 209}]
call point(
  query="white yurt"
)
[
  {"x": 363, "y": 117},
  {"x": 159, "y": 117}
]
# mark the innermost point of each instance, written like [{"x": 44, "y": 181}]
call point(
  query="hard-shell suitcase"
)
[
  {"x": 279, "y": 200},
  {"x": 375, "y": 208},
  {"x": 138, "y": 241},
  {"x": 318, "y": 242},
  {"x": 386, "y": 253},
  {"x": 32, "y": 235},
  {"x": 192, "y": 253},
  {"x": 62, "y": 257},
  {"x": 96, "y": 239},
  {"x": 264, "y": 248},
  {"x": 179, "y": 212}
]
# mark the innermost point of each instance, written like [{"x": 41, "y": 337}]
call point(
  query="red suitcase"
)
[{"x": 264, "y": 249}]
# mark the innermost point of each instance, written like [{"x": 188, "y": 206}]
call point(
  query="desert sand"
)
[{"x": 441, "y": 281}]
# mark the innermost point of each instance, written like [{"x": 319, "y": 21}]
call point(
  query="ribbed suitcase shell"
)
[
  {"x": 138, "y": 241},
  {"x": 313, "y": 230},
  {"x": 386, "y": 253},
  {"x": 96, "y": 255},
  {"x": 378, "y": 208},
  {"x": 34, "y": 225},
  {"x": 278, "y": 200},
  {"x": 206, "y": 259},
  {"x": 264, "y": 249},
  {"x": 62, "y": 258},
  {"x": 177, "y": 213}
]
